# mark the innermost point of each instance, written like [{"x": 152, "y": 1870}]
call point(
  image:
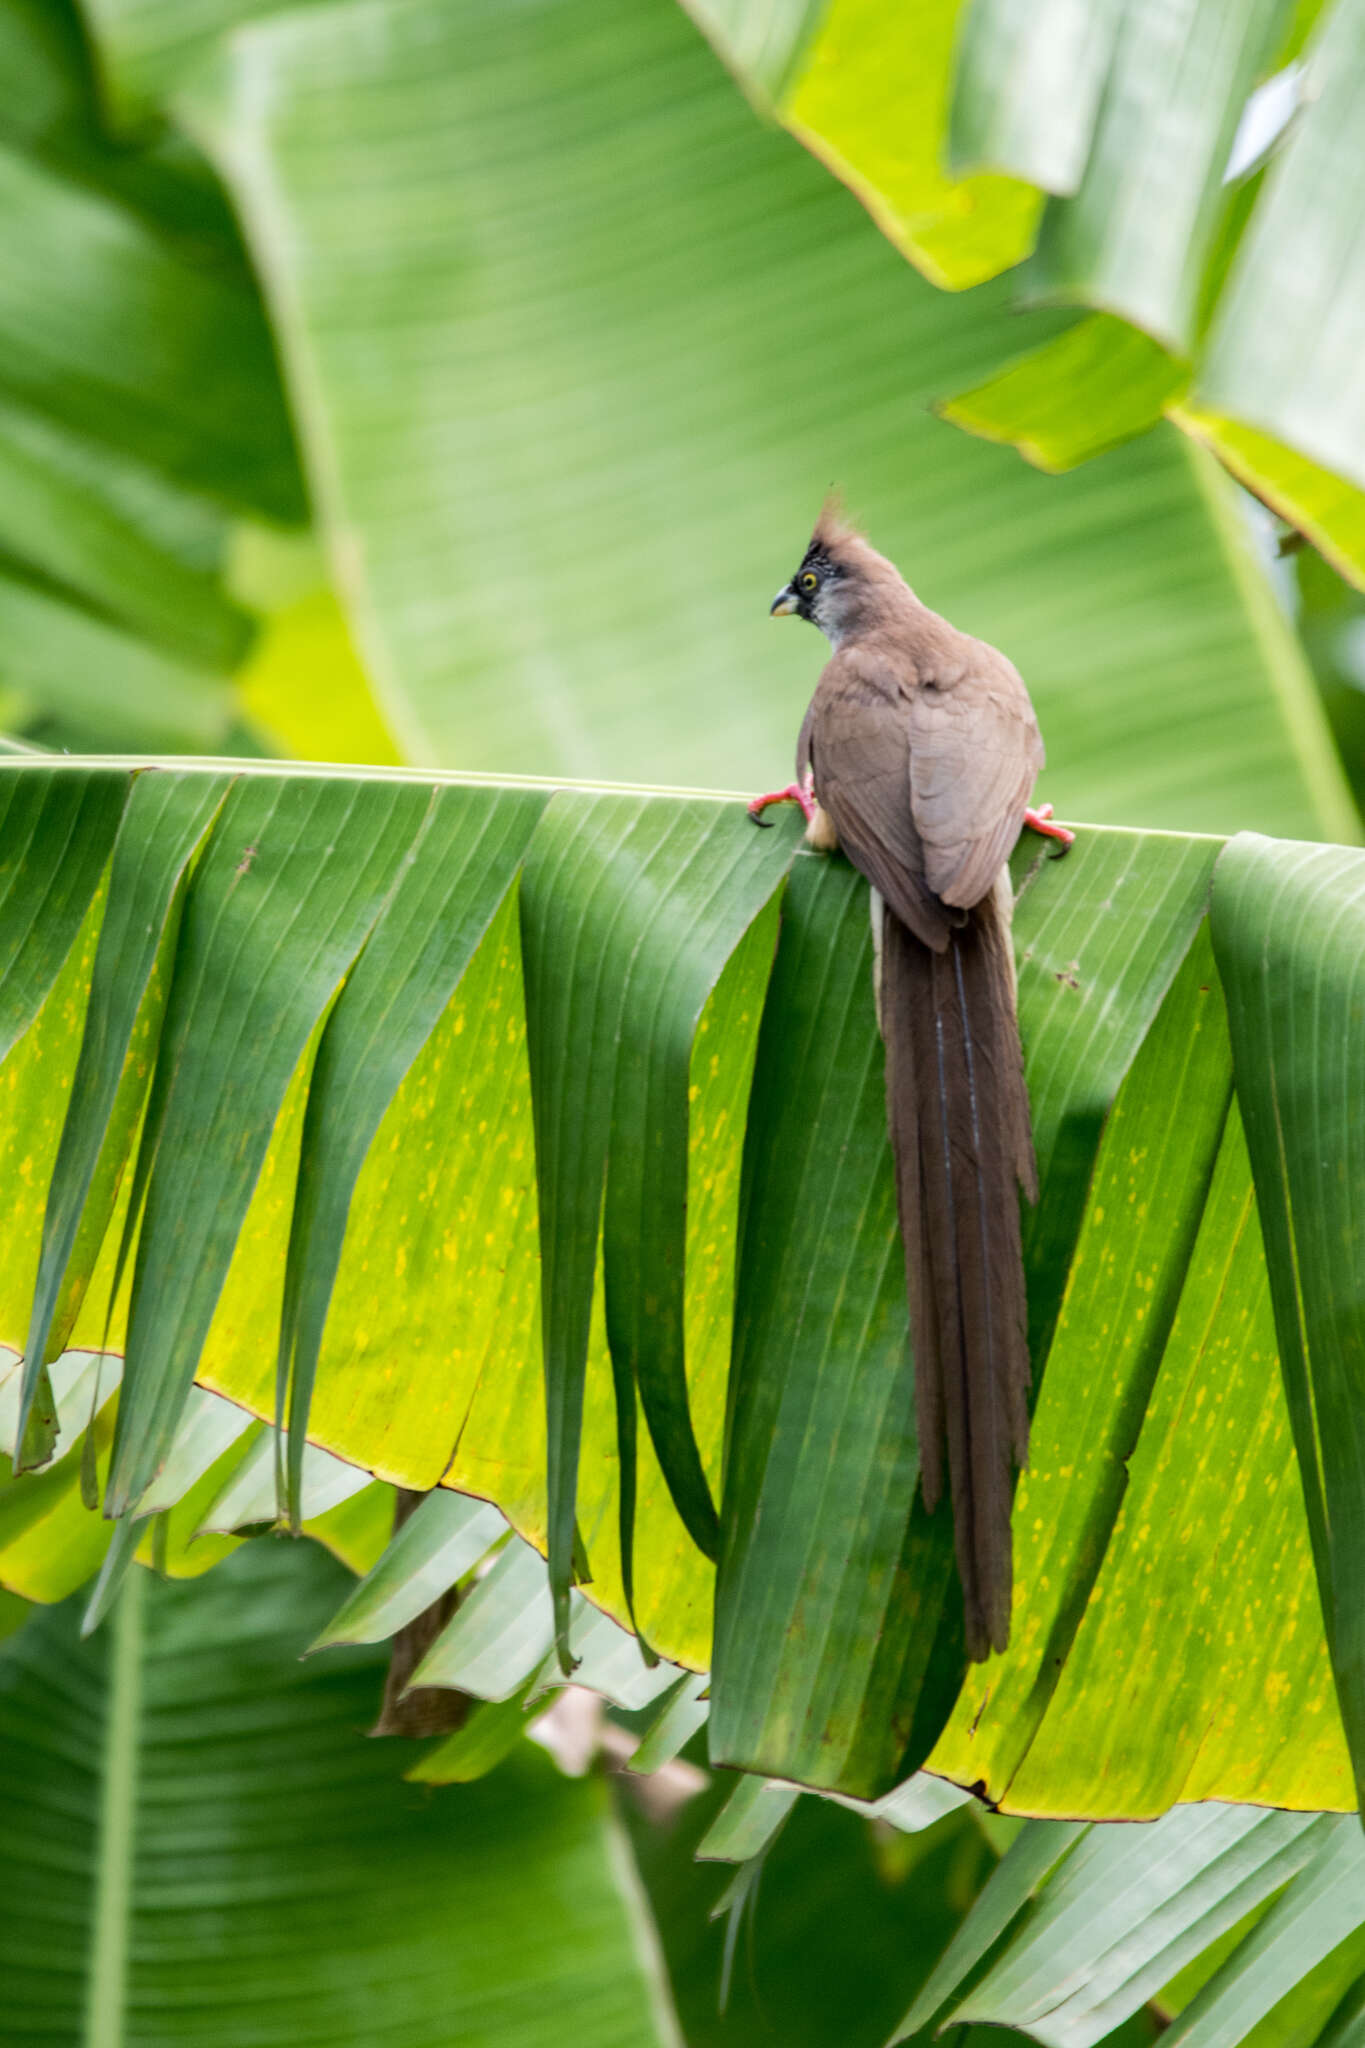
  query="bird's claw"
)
[
  {"x": 802, "y": 793},
  {"x": 1041, "y": 821}
]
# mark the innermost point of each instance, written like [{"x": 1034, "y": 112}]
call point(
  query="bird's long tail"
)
[{"x": 959, "y": 1118}]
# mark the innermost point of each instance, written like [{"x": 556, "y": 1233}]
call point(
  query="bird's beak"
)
[{"x": 784, "y": 602}]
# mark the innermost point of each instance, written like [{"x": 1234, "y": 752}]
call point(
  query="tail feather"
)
[{"x": 959, "y": 1118}]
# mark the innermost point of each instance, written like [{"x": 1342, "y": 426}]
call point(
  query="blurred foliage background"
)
[{"x": 451, "y": 382}]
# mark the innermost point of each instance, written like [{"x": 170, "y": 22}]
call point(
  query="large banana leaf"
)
[
  {"x": 837, "y": 1655},
  {"x": 198, "y": 1848},
  {"x": 575, "y": 346},
  {"x": 1104, "y": 140}
]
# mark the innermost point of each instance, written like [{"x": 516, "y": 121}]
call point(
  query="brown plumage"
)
[{"x": 924, "y": 750}]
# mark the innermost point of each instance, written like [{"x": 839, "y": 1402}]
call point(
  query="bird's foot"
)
[
  {"x": 802, "y": 793},
  {"x": 1041, "y": 821}
]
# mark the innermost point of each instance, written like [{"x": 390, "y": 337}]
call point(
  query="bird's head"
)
[{"x": 842, "y": 582}]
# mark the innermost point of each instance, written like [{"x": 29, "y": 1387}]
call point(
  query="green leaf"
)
[
  {"x": 1098, "y": 942},
  {"x": 497, "y": 1642},
  {"x": 1094, "y": 387},
  {"x": 229, "y": 1046},
  {"x": 871, "y": 101},
  {"x": 125, "y": 342},
  {"x": 500, "y": 1634},
  {"x": 165, "y": 818},
  {"x": 460, "y": 866},
  {"x": 1027, "y": 90},
  {"x": 921, "y": 1802},
  {"x": 1025, "y": 1867},
  {"x": 1211, "y": 1523},
  {"x": 1318, "y": 1912},
  {"x": 1123, "y": 1915},
  {"x": 209, "y": 1428},
  {"x": 1145, "y": 1198},
  {"x": 747, "y": 1822},
  {"x": 611, "y": 1664},
  {"x": 73, "y": 512},
  {"x": 55, "y": 836},
  {"x": 357, "y": 1529},
  {"x": 442, "y": 1540},
  {"x": 842, "y": 1928},
  {"x": 835, "y": 1657},
  {"x": 114, "y": 1569},
  {"x": 494, "y": 1729},
  {"x": 38, "y": 88},
  {"x": 760, "y": 46},
  {"x": 334, "y": 1892},
  {"x": 73, "y": 1380},
  {"x": 1080, "y": 1926},
  {"x": 1321, "y": 504},
  {"x": 1148, "y": 1285},
  {"x": 1126, "y": 596},
  {"x": 628, "y": 914},
  {"x": 148, "y": 47},
  {"x": 683, "y": 1712},
  {"x": 1126, "y": 114},
  {"x": 1289, "y": 925},
  {"x": 247, "y": 1501},
  {"x": 832, "y": 1577},
  {"x": 50, "y": 1542},
  {"x": 1137, "y": 233},
  {"x": 111, "y": 683},
  {"x": 1283, "y": 348},
  {"x": 1344, "y": 2030}
]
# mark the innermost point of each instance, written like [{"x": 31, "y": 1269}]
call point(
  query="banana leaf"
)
[
  {"x": 1237, "y": 1925},
  {"x": 1163, "y": 1489},
  {"x": 1105, "y": 143},
  {"x": 1127, "y": 594},
  {"x": 311, "y": 1888},
  {"x": 627, "y": 336}
]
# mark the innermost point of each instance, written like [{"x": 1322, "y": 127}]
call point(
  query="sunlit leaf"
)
[
  {"x": 1092, "y": 388},
  {"x": 205, "y": 1115},
  {"x": 835, "y": 1656},
  {"x": 164, "y": 819}
]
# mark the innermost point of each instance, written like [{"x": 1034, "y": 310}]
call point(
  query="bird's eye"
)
[{"x": 809, "y": 580}]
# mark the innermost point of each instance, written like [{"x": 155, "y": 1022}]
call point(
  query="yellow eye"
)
[{"x": 809, "y": 580}]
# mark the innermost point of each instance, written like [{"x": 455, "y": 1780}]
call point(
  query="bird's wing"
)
[
  {"x": 859, "y": 736},
  {"x": 975, "y": 753}
]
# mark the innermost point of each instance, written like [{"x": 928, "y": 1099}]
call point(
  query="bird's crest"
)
[{"x": 834, "y": 524}]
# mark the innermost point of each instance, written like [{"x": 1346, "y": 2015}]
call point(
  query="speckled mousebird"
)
[{"x": 917, "y": 757}]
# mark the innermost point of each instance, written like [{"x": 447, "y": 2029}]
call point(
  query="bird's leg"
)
[
  {"x": 1041, "y": 821},
  {"x": 802, "y": 793}
]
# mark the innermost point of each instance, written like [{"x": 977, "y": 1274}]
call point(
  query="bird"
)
[{"x": 917, "y": 757}]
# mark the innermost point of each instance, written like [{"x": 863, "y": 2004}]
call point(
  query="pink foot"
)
[
  {"x": 802, "y": 793},
  {"x": 1041, "y": 821}
]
